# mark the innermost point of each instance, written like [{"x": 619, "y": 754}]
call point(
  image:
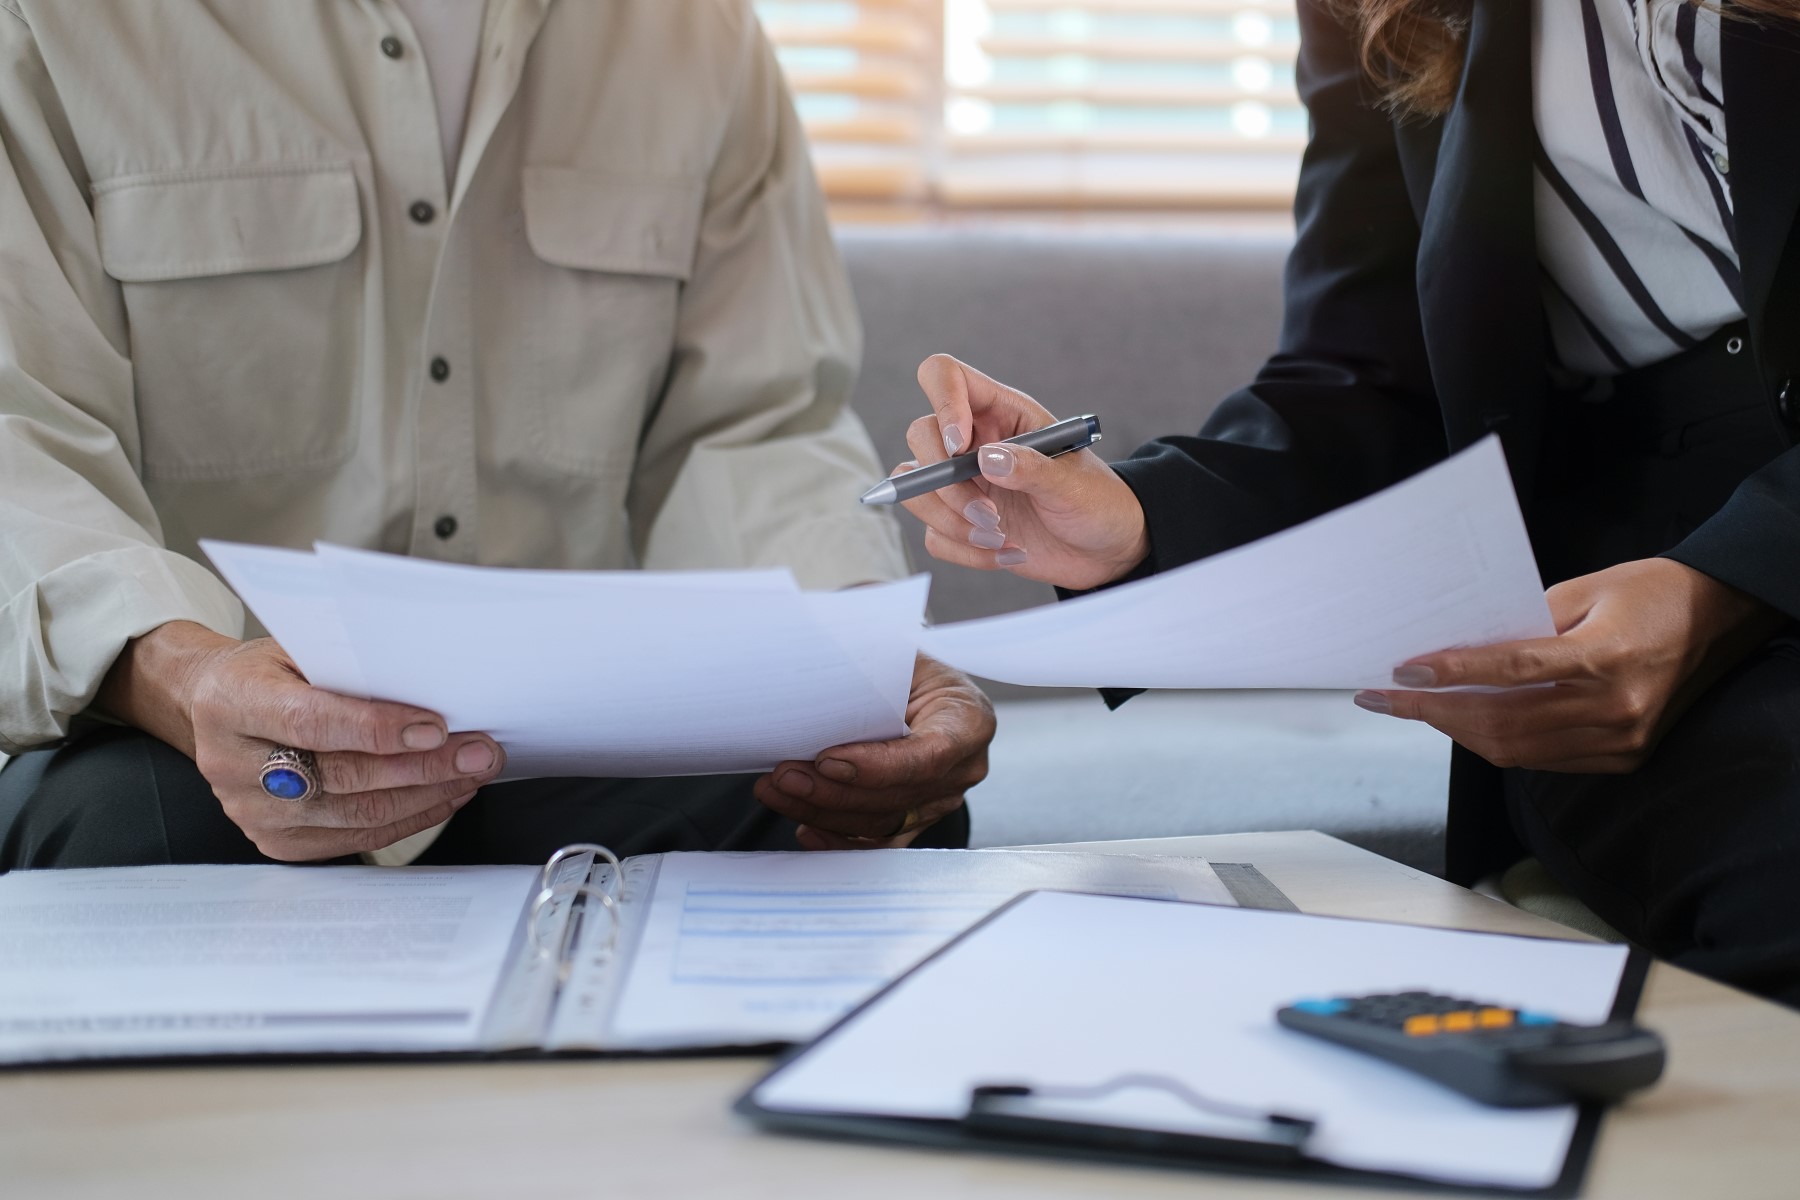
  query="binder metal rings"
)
[{"x": 607, "y": 896}]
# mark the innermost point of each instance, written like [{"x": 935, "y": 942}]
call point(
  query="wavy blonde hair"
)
[{"x": 1413, "y": 49}]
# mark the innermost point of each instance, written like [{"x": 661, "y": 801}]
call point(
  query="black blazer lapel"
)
[
  {"x": 1477, "y": 272},
  {"x": 1761, "y": 66}
]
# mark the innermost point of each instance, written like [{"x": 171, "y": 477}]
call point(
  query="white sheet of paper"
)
[
  {"x": 240, "y": 959},
  {"x": 741, "y": 949},
  {"x": 293, "y": 595},
  {"x": 598, "y": 673},
  {"x": 1437, "y": 561},
  {"x": 1075, "y": 991}
]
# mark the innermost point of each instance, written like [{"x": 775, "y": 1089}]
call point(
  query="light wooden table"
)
[{"x": 1725, "y": 1121}]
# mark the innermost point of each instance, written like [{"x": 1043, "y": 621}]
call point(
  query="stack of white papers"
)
[
  {"x": 597, "y": 673},
  {"x": 630, "y": 673}
]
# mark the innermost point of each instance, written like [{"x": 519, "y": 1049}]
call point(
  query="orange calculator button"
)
[
  {"x": 1494, "y": 1018},
  {"x": 1420, "y": 1025},
  {"x": 1459, "y": 1022}
]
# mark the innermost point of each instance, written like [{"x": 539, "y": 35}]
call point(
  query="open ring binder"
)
[{"x": 587, "y": 953}]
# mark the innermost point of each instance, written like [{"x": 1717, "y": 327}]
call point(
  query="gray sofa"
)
[{"x": 1147, "y": 330}]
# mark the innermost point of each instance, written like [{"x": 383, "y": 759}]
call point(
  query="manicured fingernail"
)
[
  {"x": 1010, "y": 557},
  {"x": 953, "y": 439},
  {"x": 421, "y": 737},
  {"x": 996, "y": 460},
  {"x": 473, "y": 758},
  {"x": 795, "y": 783},
  {"x": 1414, "y": 676},
  {"x": 903, "y": 468},
  {"x": 982, "y": 514},
  {"x": 987, "y": 539},
  {"x": 1375, "y": 702},
  {"x": 838, "y": 769}
]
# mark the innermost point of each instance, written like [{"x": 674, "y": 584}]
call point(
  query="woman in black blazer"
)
[{"x": 1660, "y": 778}]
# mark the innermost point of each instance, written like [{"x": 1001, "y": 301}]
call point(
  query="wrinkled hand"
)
[
  {"x": 386, "y": 771},
  {"x": 1068, "y": 520},
  {"x": 881, "y": 794},
  {"x": 1635, "y": 644}
]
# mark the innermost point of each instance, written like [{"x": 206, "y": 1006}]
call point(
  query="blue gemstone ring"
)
[{"x": 290, "y": 774}]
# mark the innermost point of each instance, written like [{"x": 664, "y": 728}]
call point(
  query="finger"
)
[
  {"x": 1495, "y": 714},
  {"x": 1505, "y": 664},
  {"x": 1055, "y": 483},
  {"x": 960, "y": 396},
  {"x": 820, "y": 839},
  {"x": 1516, "y": 729},
  {"x": 965, "y": 555},
  {"x": 311, "y": 844},
  {"x": 935, "y": 514},
  {"x": 466, "y": 756},
  {"x": 944, "y": 760},
  {"x": 380, "y": 839},
  {"x": 923, "y": 439},
  {"x": 978, "y": 525},
  {"x": 802, "y": 783},
  {"x": 373, "y": 810},
  {"x": 877, "y": 824},
  {"x": 926, "y": 441},
  {"x": 292, "y": 713}
]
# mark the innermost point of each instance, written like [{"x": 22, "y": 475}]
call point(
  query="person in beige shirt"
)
[{"x": 537, "y": 283}]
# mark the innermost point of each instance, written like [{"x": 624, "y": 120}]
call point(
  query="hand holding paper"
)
[
  {"x": 1440, "y": 560},
  {"x": 640, "y": 674}
]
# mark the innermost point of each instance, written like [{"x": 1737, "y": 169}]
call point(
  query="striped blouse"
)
[{"x": 1633, "y": 186}]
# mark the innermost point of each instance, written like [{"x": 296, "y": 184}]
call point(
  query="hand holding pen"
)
[{"x": 1067, "y": 520}]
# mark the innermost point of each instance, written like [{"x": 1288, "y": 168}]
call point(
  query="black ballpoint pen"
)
[{"x": 1076, "y": 433}]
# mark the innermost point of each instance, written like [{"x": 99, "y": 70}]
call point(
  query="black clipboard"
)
[{"x": 1274, "y": 1148}]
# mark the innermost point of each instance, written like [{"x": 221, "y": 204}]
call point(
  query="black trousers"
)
[
  {"x": 1695, "y": 855},
  {"x": 117, "y": 797}
]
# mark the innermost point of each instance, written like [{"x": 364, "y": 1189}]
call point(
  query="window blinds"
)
[
  {"x": 865, "y": 76},
  {"x": 1047, "y": 103}
]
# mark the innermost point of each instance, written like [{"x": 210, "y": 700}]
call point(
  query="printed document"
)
[
  {"x": 156, "y": 961},
  {"x": 1438, "y": 561},
  {"x": 749, "y": 948}
]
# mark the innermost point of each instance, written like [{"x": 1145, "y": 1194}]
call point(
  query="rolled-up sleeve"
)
[
  {"x": 82, "y": 565},
  {"x": 752, "y": 457}
]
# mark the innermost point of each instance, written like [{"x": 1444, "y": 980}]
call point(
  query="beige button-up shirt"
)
[{"x": 238, "y": 300}]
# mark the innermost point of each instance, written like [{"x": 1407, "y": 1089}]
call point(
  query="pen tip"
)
[{"x": 881, "y": 493}]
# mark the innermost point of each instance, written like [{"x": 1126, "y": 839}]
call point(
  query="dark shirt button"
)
[
  {"x": 391, "y": 47},
  {"x": 440, "y": 369},
  {"x": 421, "y": 212},
  {"x": 445, "y": 528},
  {"x": 1787, "y": 403}
]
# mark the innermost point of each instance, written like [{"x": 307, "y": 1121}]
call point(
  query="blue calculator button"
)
[
  {"x": 1536, "y": 1018},
  {"x": 1322, "y": 1008}
]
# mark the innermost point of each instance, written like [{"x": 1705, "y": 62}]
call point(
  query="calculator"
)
[{"x": 1510, "y": 1057}]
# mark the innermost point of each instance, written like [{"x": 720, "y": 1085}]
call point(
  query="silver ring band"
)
[{"x": 289, "y": 774}]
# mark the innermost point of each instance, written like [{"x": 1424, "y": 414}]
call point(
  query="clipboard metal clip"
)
[{"x": 1138, "y": 1114}]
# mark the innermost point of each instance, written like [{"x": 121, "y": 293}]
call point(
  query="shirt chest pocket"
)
[
  {"x": 245, "y": 307},
  {"x": 598, "y": 306}
]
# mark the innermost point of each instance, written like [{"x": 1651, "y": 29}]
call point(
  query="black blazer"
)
[{"x": 1414, "y": 326}]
